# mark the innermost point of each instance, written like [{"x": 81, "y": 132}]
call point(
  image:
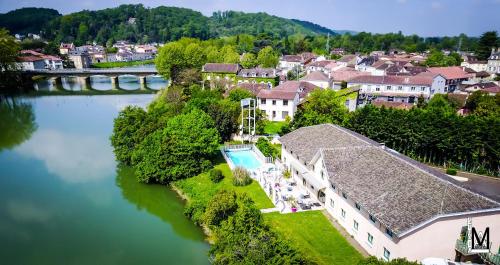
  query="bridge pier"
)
[
  {"x": 142, "y": 81},
  {"x": 115, "y": 83},
  {"x": 57, "y": 82},
  {"x": 85, "y": 82}
]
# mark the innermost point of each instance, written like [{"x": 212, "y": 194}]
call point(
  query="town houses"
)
[{"x": 32, "y": 60}]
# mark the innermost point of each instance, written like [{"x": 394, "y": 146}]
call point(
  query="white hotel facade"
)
[{"x": 391, "y": 205}]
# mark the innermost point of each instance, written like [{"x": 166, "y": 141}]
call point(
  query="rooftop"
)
[
  {"x": 221, "y": 68},
  {"x": 399, "y": 192},
  {"x": 451, "y": 72},
  {"x": 393, "y": 80},
  {"x": 316, "y": 76}
]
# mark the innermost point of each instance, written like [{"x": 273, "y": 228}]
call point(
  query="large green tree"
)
[
  {"x": 487, "y": 41},
  {"x": 126, "y": 132},
  {"x": 9, "y": 49},
  {"x": 182, "y": 149},
  {"x": 267, "y": 57},
  {"x": 322, "y": 106}
]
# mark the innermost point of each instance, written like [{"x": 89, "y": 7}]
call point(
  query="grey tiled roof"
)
[
  {"x": 306, "y": 141},
  {"x": 399, "y": 192}
]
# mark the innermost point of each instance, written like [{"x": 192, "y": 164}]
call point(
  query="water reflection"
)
[
  {"x": 157, "y": 200},
  {"x": 74, "y": 158},
  {"x": 17, "y": 122}
]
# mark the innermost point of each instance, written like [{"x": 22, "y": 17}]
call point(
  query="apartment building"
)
[{"x": 390, "y": 204}]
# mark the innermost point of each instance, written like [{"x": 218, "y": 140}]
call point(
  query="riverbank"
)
[
  {"x": 121, "y": 64},
  {"x": 305, "y": 231}
]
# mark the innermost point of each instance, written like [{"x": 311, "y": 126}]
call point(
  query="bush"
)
[
  {"x": 241, "y": 177},
  {"x": 451, "y": 171},
  {"x": 265, "y": 147},
  {"x": 215, "y": 175},
  {"x": 220, "y": 207},
  {"x": 195, "y": 211}
]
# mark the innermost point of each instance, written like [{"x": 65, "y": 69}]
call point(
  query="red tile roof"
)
[
  {"x": 345, "y": 74},
  {"x": 288, "y": 90},
  {"x": 221, "y": 68},
  {"x": 316, "y": 76},
  {"x": 393, "y": 80},
  {"x": 451, "y": 72}
]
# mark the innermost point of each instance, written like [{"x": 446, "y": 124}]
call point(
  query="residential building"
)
[
  {"x": 65, "y": 48},
  {"x": 338, "y": 51},
  {"x": 323, "y": 66},
  {"x": 341, "y": 76},
  {"x": 488, "y": 87},
  {"x": 494, "y": 62},
  {"x": 473, "y": 63},
  {"x": 390, "y": 204},
  {"x": 349, "y": 60},
  {"x": 282, "y": 101},
  {"x": 318, "y": 79},
  {"x": 454, "y": 76},
  {"x": 32, "y": 60},
  {"x": 222, "y": 74},
  {"x": 397, "y": 88},
  {"x": 80, "y": 59},
  {"x": 289, "y": 62},
  {"x": 258, "y": 75}
]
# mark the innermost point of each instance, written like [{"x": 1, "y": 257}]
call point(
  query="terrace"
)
[{"x": 276, "y": 182}]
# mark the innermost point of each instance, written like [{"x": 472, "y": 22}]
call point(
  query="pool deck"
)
[{"x": 284, "y": 193}]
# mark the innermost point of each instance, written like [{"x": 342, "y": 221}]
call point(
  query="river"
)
[{"x": 65, "y": 200}]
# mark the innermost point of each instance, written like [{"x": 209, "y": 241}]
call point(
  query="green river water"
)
[{"x": 64, "y": 199}]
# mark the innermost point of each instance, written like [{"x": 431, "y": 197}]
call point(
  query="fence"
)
[{"x": 245, "y": 147}]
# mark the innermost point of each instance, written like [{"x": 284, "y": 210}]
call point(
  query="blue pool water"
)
[{"x": 244, "y": 158}]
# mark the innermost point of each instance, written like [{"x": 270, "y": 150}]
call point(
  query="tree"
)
[
  {"x": 267, "y": 57},
  {"x": 238, "y": 94},
  {"x": 220, "y": 207},
  {"x": 487, "y": 41},
  {"x": 18, "y": 122},
  {"x": 225, "y": 115},
  {"x": 229, "y": 54},
  {"x": 182, "y": 149},
  {"x": 170, "y": 60},
  {"x": 126, "y": 128},
  {"x": 374, "y": 261},
  {"x": 265, "y": 147},
  {"x": 9, "y": 49},
  {"x": 322, "y": 106},
  {"x": 194, "y": 56},
  {"x": 248, "y": 60}
]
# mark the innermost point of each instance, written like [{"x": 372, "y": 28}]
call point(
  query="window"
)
[
  {"x": 274, "y": 102},
  {"x": 342, "y": 212},
  {"x": 389, "y": 87},
  {"x": 400, "y": 88},
  {"x": 370, "y": 239},
  {"x": 333, "y": 186},
  {"x": 356, "y": 225},
  {"x": 322, "y": 175},
  {"x": 285, "y": 102},
  {"x": 344, "y": 195},
  {"x": 372, "y": 218},
  {"x": 387, "y": 254},
  {"x": 332, "y": 203},
  {"x": 388, "y": 232},
  {"x": 377, "y": 89},
  {"x": 274, "y": 114},
  {"x": 357, "y": 206},
  {"x": 284, "y": 114},
  {"x": 263, "y": 101},
  {"x": 422, "y": 88},
  {"x": 390, "y": 99},
  {"x": 412, "y": 88},
  {"x": 312, "y": 187}
]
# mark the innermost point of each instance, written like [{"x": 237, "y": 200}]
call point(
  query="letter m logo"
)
[{"x": 481, "y": 241}]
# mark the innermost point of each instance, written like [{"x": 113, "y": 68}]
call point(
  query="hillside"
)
[
  {"x": 137, "y": 23},
  {"x": 27, "y": 20}
]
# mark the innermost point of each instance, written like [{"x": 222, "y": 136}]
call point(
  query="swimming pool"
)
[{"x": 244, "y": 158}]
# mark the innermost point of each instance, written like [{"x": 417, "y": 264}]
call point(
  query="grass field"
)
[
  {"x": 202, "y": 188},
  {"x": 312, "y": 234},
  {"x": 273, "y": 127},
  {"x": 121, "y": 64}
]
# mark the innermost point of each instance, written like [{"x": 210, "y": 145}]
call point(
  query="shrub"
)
[
  {"x": 451, "y": 171},
  {"x": 241, "y": 177},
  {"x": 265, "y": 147},
  {"x": 215, "y": 175},
  {"x": 195, "y": 211},
  {"x": 220, "y": 207}
]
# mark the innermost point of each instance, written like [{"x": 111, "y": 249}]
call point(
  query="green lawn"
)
[
  {"x": 202, "y": 188},
  {"x": 312, "y": 234},
  {"x": 273, "y": 127},
  {"x": 121, "y": 64}
]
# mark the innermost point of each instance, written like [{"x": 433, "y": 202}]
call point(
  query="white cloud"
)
[
  {"x": 26, "y": 211},
  {"x": 73, "y": 158}
]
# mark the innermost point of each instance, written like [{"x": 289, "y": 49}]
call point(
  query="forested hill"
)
[
  {"x": 27, "y": 20},
  {"x": 140, "y": 24}
]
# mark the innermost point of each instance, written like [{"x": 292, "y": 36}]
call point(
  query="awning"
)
[{"x": 311, "y": 179}]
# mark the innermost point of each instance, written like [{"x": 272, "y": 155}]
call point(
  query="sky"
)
[{"x": 422, "y": 17}]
